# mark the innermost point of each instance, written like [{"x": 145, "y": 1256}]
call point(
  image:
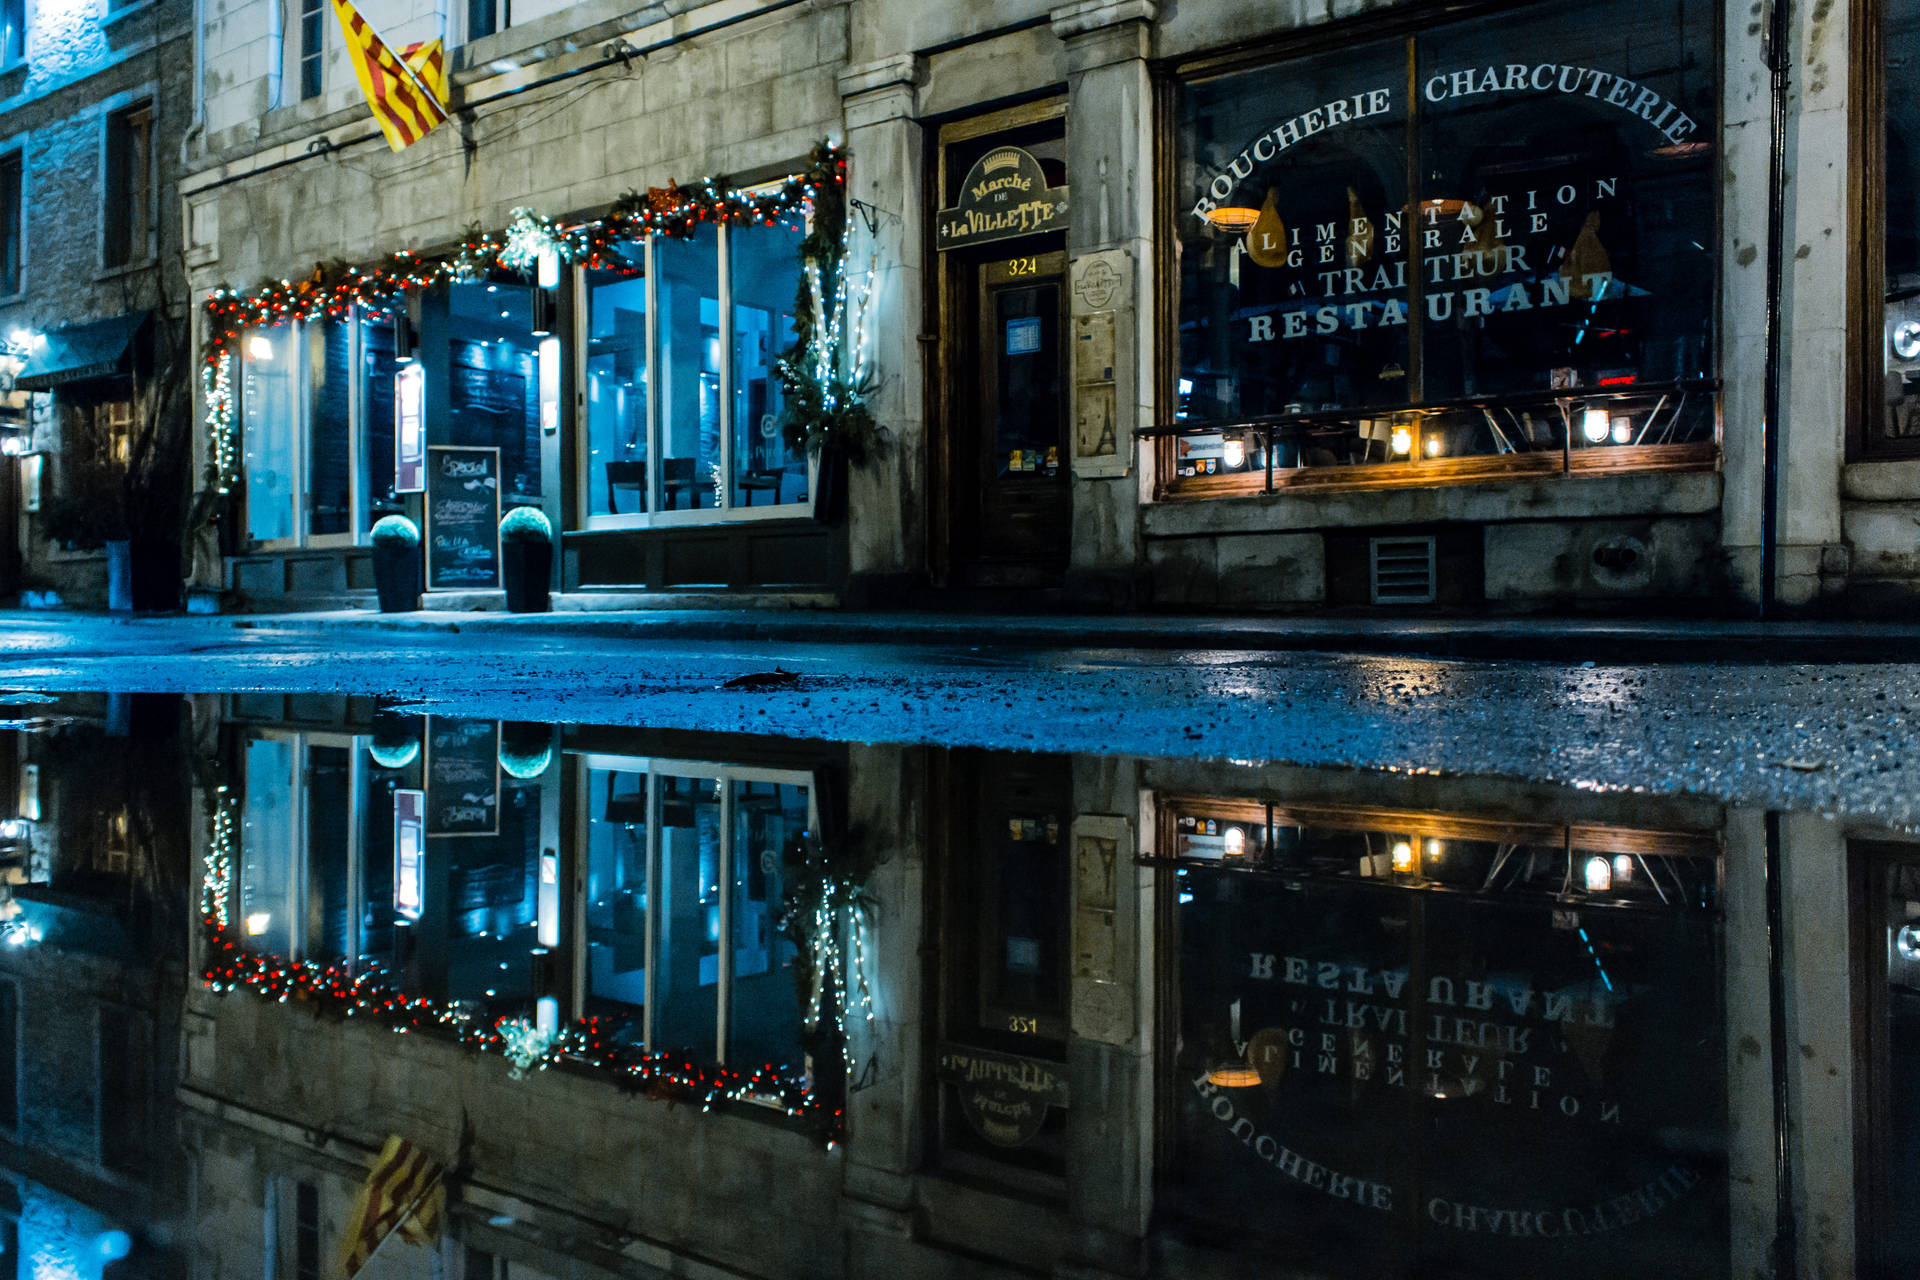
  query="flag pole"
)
[{"x": 398, "y": 1222}]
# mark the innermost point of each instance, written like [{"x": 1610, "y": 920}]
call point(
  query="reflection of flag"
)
[
  {"x": 408, "y": 97},
  {"x": 405, "y": 1192}
]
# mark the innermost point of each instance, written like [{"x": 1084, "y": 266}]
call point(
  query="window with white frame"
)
[
  {"x": 683, "y": 406},
  {"x": 678, "y": 857},
  {"x": 311, "y": 396}
]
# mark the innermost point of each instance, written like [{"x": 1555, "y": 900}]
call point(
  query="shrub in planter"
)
[
  {"x": 526, "y": 559},
  {"x": 396, "y": 563}
]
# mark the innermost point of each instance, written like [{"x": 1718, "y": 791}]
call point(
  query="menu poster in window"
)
[
  {"x": 463, "y": 518},
  {"x": 463, "y": 777}
]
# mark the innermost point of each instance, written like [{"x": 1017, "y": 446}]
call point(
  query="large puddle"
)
[{"x": 638, "y": 1002}]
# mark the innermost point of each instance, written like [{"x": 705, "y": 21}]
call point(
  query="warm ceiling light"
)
[
  {"x": 1233, "y": 1076},
  {"x": 1402, "y": 441},
  {"x": 1403, "y": 856},
  {"x": 1237, "y": 219},
  {"x": 1599, "y": 875},
  {"x": 1595, "y": 424}
]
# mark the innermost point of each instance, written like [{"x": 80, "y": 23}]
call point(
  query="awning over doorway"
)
[{"x": 79, "y": 351}]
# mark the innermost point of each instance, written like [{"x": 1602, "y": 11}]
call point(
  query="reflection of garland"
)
[
  {"x": 828, "y": 914},
  {"x": 587, "y": 1042},
  {"x": 334, "y": 288}
]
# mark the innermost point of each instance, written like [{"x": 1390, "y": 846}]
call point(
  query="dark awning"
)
[{"x": 96, "y": 350}]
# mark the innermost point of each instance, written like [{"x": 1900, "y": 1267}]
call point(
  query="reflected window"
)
[
  {"x": 1401, "y": 1033},
  {"x": 297, "y": 848},
  {"x": 1545, "y": 287}
]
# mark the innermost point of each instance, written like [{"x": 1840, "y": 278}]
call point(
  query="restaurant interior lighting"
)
[
  {"x": 1599, "y": 875},
  {"x": 1235, "y": 219},
  {"x": 1233, "y": 1075},
  {"x": 1595, "y": 424},
  {"x": 259, "y": 347},
  {"x": 1622, "y": 429},
  {"x": 1403, "y": 855},
  {"x": 1402, "y": 441},
  {"x": 1622, "y": 868},
  {"x": 1235, "y": 841},
  {"x": 1234, "y": 453},
  {"x": 257, "y": 923},
  {"x": 1907, "y": 942}
]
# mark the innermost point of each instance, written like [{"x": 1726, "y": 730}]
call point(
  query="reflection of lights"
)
[
  {"x": 1234, "y": 454},
  {"x": 1235, "y": 219},
  {"x": 1599, "y": 875},
  {"x": 1433, "y": 446},
  {"x": 1622, "y": 430},
  {"x": 258, "y": 922},
  {"x": 546, "y": 1016},
  {"x": 112, "y": 1245},
  {"x": 1595, "y": 424},
  {"x": 1234, "y": 1075},
  {"x": 1622, "y": 869},
  {"x": 259, "y": 347},
  {"x": 1403, "y": 856},
  {"x": 1906, "y": 339},
  {"x": 1236, "y": 841},
  {"x": 1186, "y": 386},
  {"x": 18, "y": 933},
  {"x": 1907, "y": 942},
  {"x": 1435, "y": 848},
  {"x": 1402, "y": 441}
]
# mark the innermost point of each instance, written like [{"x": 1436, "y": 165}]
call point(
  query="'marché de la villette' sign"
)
[{"x": 1005, "y": 195}]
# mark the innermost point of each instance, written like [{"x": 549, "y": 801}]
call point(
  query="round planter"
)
[
  {"x": 396, "y": 574},
  {"x": 527, "y": 566}
]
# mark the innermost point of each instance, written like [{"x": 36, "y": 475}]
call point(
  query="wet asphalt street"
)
[{"x": 1834, "y": 739}]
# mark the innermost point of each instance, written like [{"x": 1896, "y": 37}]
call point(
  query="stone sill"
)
[
  {"x": 1553, "y": 497},
  {"x": 1894, "y": 480}
]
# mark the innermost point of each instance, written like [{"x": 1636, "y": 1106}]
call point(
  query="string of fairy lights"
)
[
  {"x": 588, "y": 1042},
  {"x": 334, "y": 292}
]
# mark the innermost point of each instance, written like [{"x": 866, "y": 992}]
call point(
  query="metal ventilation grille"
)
[{"x": 1403, "y": 571}]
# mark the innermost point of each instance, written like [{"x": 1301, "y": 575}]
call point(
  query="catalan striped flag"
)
[
  {"x": 408, "y": 93},
  {"x": 405, "y": 1192}
]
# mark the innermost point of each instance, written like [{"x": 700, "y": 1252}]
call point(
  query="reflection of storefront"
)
[{"x": 1439, "y": 1041}]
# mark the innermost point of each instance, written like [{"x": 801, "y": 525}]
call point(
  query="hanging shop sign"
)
[
  {"x": 463, "y": 518},
  {"x": 463, "y": 777},
  {"x": 1005, "y": 195},
  {"x": 1004, "y": 1097}
]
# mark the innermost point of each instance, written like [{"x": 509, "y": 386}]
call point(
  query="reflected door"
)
[{"x": 1020, "y": 464}]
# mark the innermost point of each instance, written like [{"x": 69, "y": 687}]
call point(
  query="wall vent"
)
[{"x": 1403, "y": 571}]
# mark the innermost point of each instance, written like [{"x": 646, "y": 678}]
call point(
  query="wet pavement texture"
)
[
  {"x": 1832, "y": 739},
  {"x": 642, "y": 958}
]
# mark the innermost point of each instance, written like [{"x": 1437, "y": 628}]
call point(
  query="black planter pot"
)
[
  {"x": 155, "y": 565},
  {"x": 830, "y": 487},
  {"x": 527, "y": 566},
  {"x": 396, "y": 573}
]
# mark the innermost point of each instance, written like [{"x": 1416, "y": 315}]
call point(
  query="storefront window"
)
[
  {"x": 1901, "y": 423},
  {"x": 493, "y": 381},
  {"x": 616, "y": 445},
  {"x": 270, "y": 423},
  {"x": 765, "y": 471},
  {"x": 1514, "y": 260},
  {"x": 329, "y": 487},
  {"x": 377, "y": 367},
  {"x": 679, "y": 369},
  {"x": 688, "y": 338}
]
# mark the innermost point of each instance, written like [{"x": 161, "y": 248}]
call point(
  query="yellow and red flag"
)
[
  {"x": 405, "y": 1192},
  {"x": 408, "y": 93}
]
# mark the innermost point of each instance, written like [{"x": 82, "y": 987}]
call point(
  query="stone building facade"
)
[
  {"x": 95, "y": 100},
  {"x": 1474, "y": 328}
]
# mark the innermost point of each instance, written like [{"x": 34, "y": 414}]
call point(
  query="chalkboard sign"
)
[
  {"x": 463, "y": 777},
  {"x": 463, "y": 518}
]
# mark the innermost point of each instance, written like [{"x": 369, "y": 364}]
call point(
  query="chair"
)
[
  {"x": 626, "y": 475},
  {"x": 676, "y": 476}
]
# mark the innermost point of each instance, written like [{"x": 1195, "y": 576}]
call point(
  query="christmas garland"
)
[{"x": 335, "y": 288}]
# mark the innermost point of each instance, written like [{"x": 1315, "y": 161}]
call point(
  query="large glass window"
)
[
  {"x": 1900, "y": 423},
  {"x": 616, "y": 480},
  {"x": 683, "y": 404},
  {"x": 270, "y": 425},
  {"x": 329, "y": 478},
  {"x": 1514, "y": 259},
  {"x": 493, "y": 381}
]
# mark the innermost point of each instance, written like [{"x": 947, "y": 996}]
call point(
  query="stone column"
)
[
  {"x": 1110, "y": 167},
  {"x": 887, "y": 534},
  {"x": 1811, "y": 557}
]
